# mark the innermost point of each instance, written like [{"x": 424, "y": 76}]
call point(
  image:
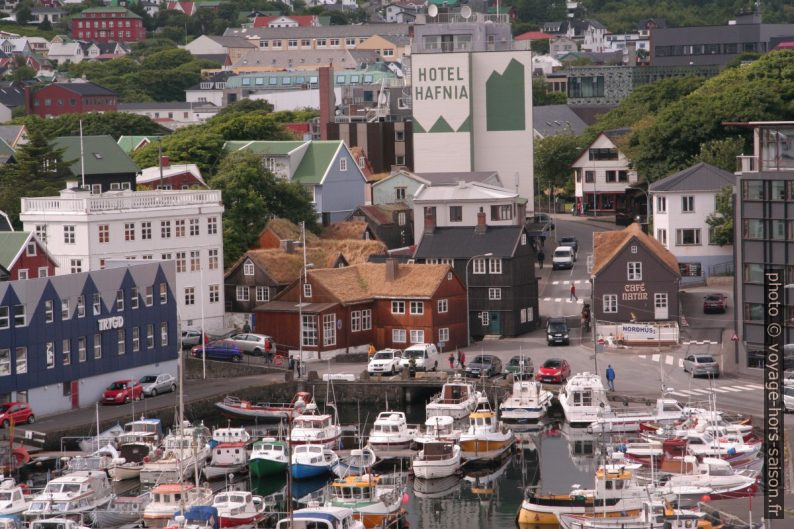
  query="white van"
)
[
  {"x": 563, "y": 257},
  {"x": 426, "y": 355}
]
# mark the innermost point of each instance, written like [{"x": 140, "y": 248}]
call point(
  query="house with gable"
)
[
  {"x": 130, "y": 144},
  {"x": 392, "y": 224},
  {"x": 327, "y": 170},
  {"x": 278, "y": 233},
  {"x": 105, "y": 165},
  {"x": 401, "y": 185},
  {"x": 24, "y": 257}
]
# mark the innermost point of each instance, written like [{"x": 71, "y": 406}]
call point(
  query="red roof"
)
[
  {"x": 533, "y": 35},
  {"x": 299, "y": 129},
  {"x": 302, "y": 20},
  {"x": 785, "y": 46}
]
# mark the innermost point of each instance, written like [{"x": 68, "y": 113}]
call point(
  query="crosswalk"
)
[
  {"x": 566, "y": 300},
  {"x": 573, "y": 282},
  {"x": 671, "y": 360}
]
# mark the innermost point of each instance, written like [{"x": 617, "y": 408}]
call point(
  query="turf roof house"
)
[
  {"x": 107, "y": 167},
  {"x": 326, "y": 169}
]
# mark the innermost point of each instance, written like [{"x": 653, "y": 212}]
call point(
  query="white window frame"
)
[
  {"x": 397, "y": 307},
  {"x": 679, "y": 237},
  {"x": 307, "y": 290},
  {"x": 609, "y": 303},
  {"x": 399, "y": 336},
  {"x": 343, "y": 164},
  {"x": 366, "y": 320},
  {"x": 355, "y": 321},
  {"x": 68, "y": 234},
  {"x": 242, "y": 293},
  {"x": 309, "y": 332},
  {"x": 417, "y": 336},
  {"x": 30, "y": 249},
  {"x": 661, "y": 204},
  {"x": 634, "y": 271},
  {"x": 661, "y": 236},
  {"x": 248, "y": 268},
  {"x": 22, "y": 274},
  {"x": 417, "y": 308},
  {"x": 660, "y": 300},
  {"x": 478, "y": 266},
  {"x": 329, "y": 329},
  {"x": 442, "y": 306},
  {"x": 688, "y": 204},
  {"x": 121, "y": 342},
  {"x": 190, "y": 296},
  {"x": 494, "y": 294},
  {"x": 44, "y": 271},
  {"x": 495, "y": 265},
  {"x": 262, "y": 294},
  {"x": 136, "y": 339},
  {"x": 215, "y": 293},
  {"x": 485, "y": 318},
  {"x": 443, "y": 334}
]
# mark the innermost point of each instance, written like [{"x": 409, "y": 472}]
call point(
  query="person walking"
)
[
  {"x": 541, "y": 258},
  {"x": 451, "y": 360},
  {"x": 462, "y": 359},
  {"x": 246, "y": 328},
  {"x": 611, "y": 377},
  {"x": 573, "y": 293}
]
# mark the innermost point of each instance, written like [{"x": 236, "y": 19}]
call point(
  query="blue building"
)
[{"x": 64, "y": 339}]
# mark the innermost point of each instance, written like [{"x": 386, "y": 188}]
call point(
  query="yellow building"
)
[{"x": 390, "y": 48}]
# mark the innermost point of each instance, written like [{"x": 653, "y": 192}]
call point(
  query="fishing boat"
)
[
  {"x": 311, "y": 461},
  {"x": 122, "y": 510},
  {"x": 666, "y": 411},
  {"x": 457, "y": 399},
  {"x": 186, "y": 451},
  {"x": 359, "y": 462},
  {"x": 56, "y": 523},
  {"x": 103, "y": 459},
  {"x": 583, "y": 399},
  {"x": 654, "y": 515},
  {"x": 485, "y": 439},
  {"x": 236, "y": 408},
  {"x": 137, "y": 445},
  {"x": 316, "y": 517},
  {"x": 13, "y": 499},
  {"x": 268, "y": 458},
  {"x": 77, "y": 493},
  {"x": 686, "y": 477},
  {"x": 391, "y": 432},
  {"x": 239, "y": 508},
  {"x": 320, "y": 429},
  {"x": 108, "y": 437},
  {"x": 616, "y": 493},
  {"x": 440, "y": 427},
  {"x": 229, "y": 452},
  {"x": 170, "y": 498},
  {"x": 710, "y": 422},
  {"x": 527, "y": 403},
  {"x": 375, "y": 500},
  {"x": 196, "y": 517},
  {"x": 437, "y": 459}
]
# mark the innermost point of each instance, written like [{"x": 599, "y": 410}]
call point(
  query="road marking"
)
[
  {"x": 580, "y": 301},
  {"x": 566, "y": 282},
  {"x": 701, "y": 391},
  {"x": 699, "y": 342},
  {"x": 555, "y": 282},
  {"x": 557, "y": 300},
  {"x": 687, "y": 392},
  {"x": 719, "y": 390},
  {"x": 643, "y": 357},
  {"x": 655, "y": 358},
  {"x": 577, "y": 282},
  {"x": 678, "y": 393},
  {"x": 546, "y": 299},
  {"x": 754, "y": 386},
  {"x": 668, "y": 360},
  {"x": 681, "y": 363},
  {"x": 748, "y": 388},
  {"x": 729, "y": 388}
]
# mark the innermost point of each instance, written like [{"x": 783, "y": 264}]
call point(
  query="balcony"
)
[
  {"x": 123, "y": 202},
  {"x": 746, "y": 164}
]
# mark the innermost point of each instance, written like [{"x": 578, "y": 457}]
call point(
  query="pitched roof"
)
[
  {"x": 533, "y": 35},
  {"x": 6, "y": 151},
  {"x": 283, "y": 267},
  {"x": 288, "y": 231},
  {"x": 348, "y": 30},
  {"x": 382, "y": 214},
  {"x": 316, "y": 160},
  {"x": 616, "y": 134},
  {"x": 608, "y": 244},
  {"x": 699, "y": 177},
  {"x": 102, "y": 155},
  {"x": 11, "y": 242},
  {"x": 346, "y": 229},
  {"x": 127, "y": 12},
  {"x": 5, "y": 222},
  {"x": 85, "y": 88},
  {"x": 464, "y": 242},
  {"x": 129, "y": 143},
  {"x": 152, "y": 174},
  {"x": 354, "y": 251},
  {"x": 276, "y": 148},
  {"x": 550, "y": 120},
  {"x": 471, "y": 191},
  {"x": 340, "y": 58},
  {"x": 302, "y": 20},
  {"x": 446, "y": 178},
  {"x": 232, "y": 41}
]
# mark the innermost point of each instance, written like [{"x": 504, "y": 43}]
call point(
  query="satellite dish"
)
[
  {"x": 465, "y": 12},
  {"x": 432, "y": 10}
]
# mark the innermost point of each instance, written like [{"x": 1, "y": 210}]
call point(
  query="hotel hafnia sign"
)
[{"x": 434, "y": 83}]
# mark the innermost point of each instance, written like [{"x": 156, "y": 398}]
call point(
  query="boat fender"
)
[
  {"x": 622, "y": 448},
  {"x": 21, "y": 455},
  {"x": 405, "y": 498},
  {"x": 731, "y": 451}
]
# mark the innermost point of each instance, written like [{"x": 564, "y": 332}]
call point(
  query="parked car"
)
[
  {"x": 16, "y": 412},
  {"x": 788, "y": 397},
  {"x": 544, "y": 218},
  {"x": 571, "y": 242},
  {"x": 190, "y": 338},
  {"x": 256, "y": 344},
  {"x": 715, "y": 303},
  {"x": 425, "y": 354},
  {"x": 218, "y": 350},
  {"x": 153, "y": 385},
  {"x": 484, "y": 366},
  {"x": 520, "y": 367},
  {"x": 122, "y": 391},
  {"x": 385, "y": 361},
  {"x": 563, "y": 257},
  {"x": 554, "y": 370},
  {"x": 701, "y": 365},
  {"x": 557, "y": 331}
]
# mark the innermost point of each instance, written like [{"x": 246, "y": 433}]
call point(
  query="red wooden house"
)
[
  {"x": 68, "y": 98},
  {"x": 24, "y": 257},
  {"x": 344, "y": 310}
]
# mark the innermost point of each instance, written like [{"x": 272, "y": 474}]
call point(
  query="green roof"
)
[
  {"x": 102, "y": 155},
  {"x": 6, "y": 151},
  {"x": 277, "y": 148},
  {"x": 10, "y": 243},
  {"x": 129, "y": 13},
  {"x": 129, "y": 143},
  {"x": 315, "y": 162},
  {"x": 449, "y": 3}
]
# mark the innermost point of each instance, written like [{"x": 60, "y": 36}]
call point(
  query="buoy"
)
[
  {"x": 406, "y": 498},
  {"x": 705, "y": 498}
]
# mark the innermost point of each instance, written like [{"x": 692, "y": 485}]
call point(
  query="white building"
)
[
  {"x": 82, "y": 231},
  {"x": 681, "y": 204},
  {"x": 603, "y": 171},
  {"x": 457, "y": 205}
]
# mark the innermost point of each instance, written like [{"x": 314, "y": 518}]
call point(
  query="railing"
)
[
  {"x": 746, "y": 164},
  {"x": 136, "y": 200}
]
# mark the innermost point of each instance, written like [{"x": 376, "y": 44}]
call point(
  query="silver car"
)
[
  {"x": 154, "y": 385},
  {"x": 701, "y": 365},
  {"x": 190, "y": 338},
  {"x": 255, "y": 344}
]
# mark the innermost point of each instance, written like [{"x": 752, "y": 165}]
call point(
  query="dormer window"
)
[
  {"x": 248, "y": 268},
  {"x": 206, "y": 86}
]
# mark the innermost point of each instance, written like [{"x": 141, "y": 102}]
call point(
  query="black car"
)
[
  {"x": 557, "y": 331},
  {"x": 484, "y": 366},
  {"x": 569, "y": 241}
]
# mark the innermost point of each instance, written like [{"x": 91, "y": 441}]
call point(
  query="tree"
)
[
  {"x": 553, "y": 158},
  {"x": 251, "y": 195},
  {"x": 115, "y": 124},
  {"x": 45, "y": 25},
  {"x": 721, "y": 221},
  {"x": 195, "y": 144},
  {"x": 721, "y": 153},
  {"x": 23, "y": 73},
  {"x": 23, "y": 14}
]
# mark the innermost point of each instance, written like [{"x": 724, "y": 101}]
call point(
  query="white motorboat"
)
[
  {"x": 316, "y": 517},
  {"x": 440, "y": 427},
  {"x": 185, "y": 453},
  {"x": 486, "y": 438},
  {"x": 437, "y": 459},
  {"x": 230, "y": 454},
  {"x": 436, "y": 488},
  {"x": 312, "y": 461},
  {"x": 654, "y": 515},
  {"x": 666, "y": 411},
  {"x": 55, "y": 523},
  {"x": 582, "y": 398},
  {"x": 108, "y": 437},
  {"x": 375, "y": 500},
  {"x": 359, "y": 462},
  {"x": 457, "y": 399},
  {"x": 122, "y": 510},
  {"x": 138, "y": 444},
  {"x": 268, "y": 457},
  {"x": 169, "y": 498},
  {"x": 239, "y": 508},
  {"x": 527, "y": 403},
  {"x": 319, "y": 429},
  {"x": 391, "y": 432},
  {"x": 12, "y": 498},
  {"x": 77, "y": 493},
  {"x": 103, "y": 459},
  {"x": 234, "y": 407},
  {"x": 685, "y": 477}
]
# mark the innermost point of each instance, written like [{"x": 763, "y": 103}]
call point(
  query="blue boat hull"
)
[{"x": 300, "y": 471}]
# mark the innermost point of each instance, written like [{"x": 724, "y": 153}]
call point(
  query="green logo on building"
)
[{"x": 504, "y": 99}]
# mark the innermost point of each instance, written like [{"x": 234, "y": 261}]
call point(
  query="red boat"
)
[
  {"x": 236, "y": 408},
  {"x": 238, "y": 508}
]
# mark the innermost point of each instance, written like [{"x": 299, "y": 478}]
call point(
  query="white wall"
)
[
  {"x": 294, "y": 99},
  {"x": 601, "y": 167},
  {"x": 675, "y": 218},
  {"x": 205, "y": 96}
]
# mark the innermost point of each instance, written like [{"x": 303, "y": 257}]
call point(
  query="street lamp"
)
[
  {"x": 468, "y": 316},
  {"x": 301, "y": 281},
  {"x": 647, "y": 208}
]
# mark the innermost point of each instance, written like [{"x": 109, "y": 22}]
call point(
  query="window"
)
[
  {"x": 611, "y": 177},
  {"x": 634, "y": 271},
  {"x": 22, "y": 273},
  {"x": 478, "y": 266},
  {"x": 179, "y": 228},
  {"x": 417, "y": 307},
  {"x": 181, "y": 262},
  {"x": 212, "y": 259},
  {"x": 41, "y": 232},
  {"x": 688, "y": 204},
  {"x": 136, "y": 339},
  {"x": 588, "y": 87},
  {"x": 146, "y": 230},
  {"x": 163, "y": 293},
  {"x": 753, "y": 190},
  {"x": 343, "y": 164},
  {"x": 398, "y": 307},
  {"x": 589, "y": 177},
  {"x": 194, "y": 227},
  {"x": 610, "y": 303},
  {"x": 215, "y": 293},
  {"x": 149, "y": 336},
  {"x": 75, "y": 266},
  {"x": 5, "y": 362},
  {"x": 165, "y": 229},
  {"x": 502, "y": 212},
  {"x": 212, "y": 225},
  {"x": 30, "y": 250},
  {"x": 134, "y": 298},
  {"x": 68, "y": 234},
  {"x": 49, "y": 354},
  {"x": 398, "y": 336},
  {"x": 66, "y": 351},
  {"x": 195, "y": 261},
  {"x": 603, "y": 154},
  {"x": 442, "y": 306},
  {"x": 241, "y": 293},
  {"x": 455, "y": 213},
  {"x": 248, "y": 268},
  {"x": 777, "y": 230},
  {"x": 754, "y": 311},
  {"x": 523, "y": 315},
  {"x": 19, "y": 316},
  {"x": 163, "y": 333},
  {"x": 661, "y": 204},
  {"x": 309, "y": 331},
  {"x": 754, "y": 273},
  {"x": 64, "y": 310},
  {"x": 355, "y": 320},
  {"x": 4, "y": 318},
  {"x": 687, "y": 237},
  {"x": 661, "y": 236},
  {"x": 190, "y": 296},
  {"x": 399, "y": 159},
  {"x": 329, "y": 329},
  {"x": 81, "y": 349},
  {"x": 494, "y": 294},
  {"x": 399, "y": 193},
  {"x": 753, "y": 228},
  {"x": 485, "y": 318},
  {"x": 778, "y": 190},
  {"x": 129, "y": 231},
  {"x": 22, "y": 360},
  {"x": 80, "y": 306},
  {"x": 97, "y": 346},
  {"x": 262, "y": 294},
  {"x": 495, "y": 265},
  {"x": 307, "y": 290},
  {"x": 417, "y": 336},
  {"x": 96, "y": 303},
  {"x": 660, "y": 300}
]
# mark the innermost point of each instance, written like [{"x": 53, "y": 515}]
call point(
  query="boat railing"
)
[
  {"x": 440, "y": 399},
  {"x": 436, "y": 457}
]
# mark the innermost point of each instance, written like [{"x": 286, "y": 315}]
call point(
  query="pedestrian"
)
[
  {"x": 268, "y": 350},
  {"x": 573, "y": 293},
  {"x": 451, "y": 360},
  {"x": 541, "y": 258},
  {"x": 246, "y": 328},
  {"x": 462, "y": 360},
  {"x": 611, "y": 377}
]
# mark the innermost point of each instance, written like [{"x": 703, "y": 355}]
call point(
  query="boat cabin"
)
[
  {"x": 611, "y": 482},
  {"x": 322, "y": 518},
  {"x": 315, "y": 453},
  {"x": 144, "y": 426},
  {"x": 171, "y": 493},
  {"x": 482, "y": 420},
  {"x": 269, "y": 447},
  {"x": 312, "y": 422},
  {"x": 439, "y": 426},
  {"x": 241, "y": 498},
  {"x": 11, "y": 522},
  {"x": 54, "y": 523},
  {"x": 455, "y": 393},
  {"x": 231, "y": 435},
  {"x": 437, "y": 451},
  {"x": 228, "y": 453},
  {"x": 389, "y": 422},
  {"x": 354, "y": 488}
]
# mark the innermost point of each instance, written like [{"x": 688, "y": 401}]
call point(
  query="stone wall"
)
[{"x": 216, "y": 369}]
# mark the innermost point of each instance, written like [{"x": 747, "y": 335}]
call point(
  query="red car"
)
[
  {"x": 715, "y": 303},
  {"x": 18, "y": 412},
  {"x": 554, "y": 370},
  {"x": 122, "y": 391}
]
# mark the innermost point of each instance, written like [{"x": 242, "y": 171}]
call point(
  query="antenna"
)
[
  {"x": 465, "y": 12},
  {"x": 432, "y": 11}
]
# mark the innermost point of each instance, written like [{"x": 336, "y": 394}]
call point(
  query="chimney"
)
[
  {"x": 327, "y": 100},
  {"x": 288, "y": 246},
  {"x": 430, "y": 223},
  {"x": 165, "y": 161},
  {"x": 481, "y": 225},
  {"x": 392, "y": 269}
]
